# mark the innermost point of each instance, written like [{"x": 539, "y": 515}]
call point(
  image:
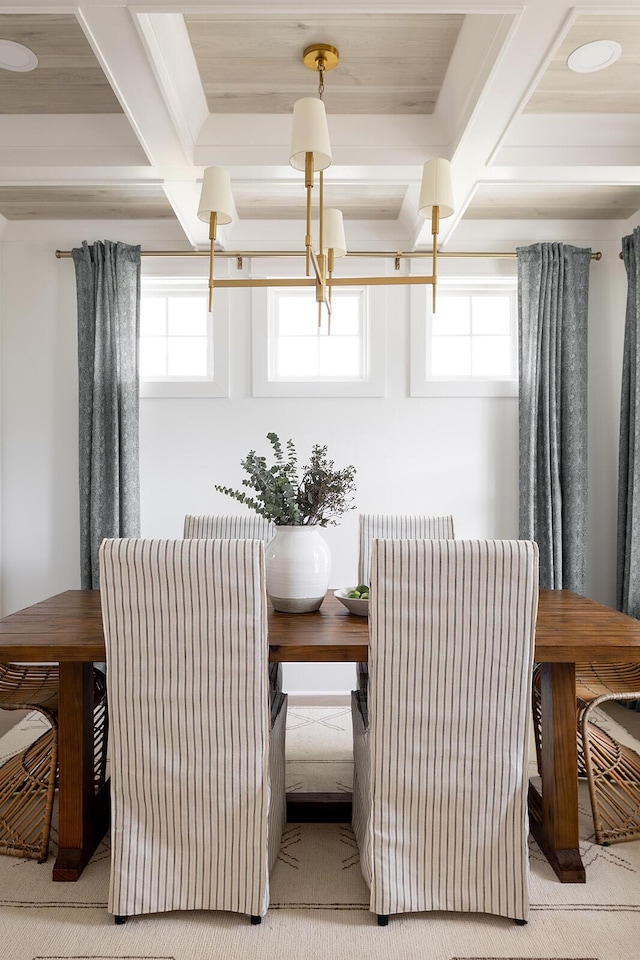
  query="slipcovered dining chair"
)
[
  {"x": 220, "y": 526},
  {"x": 239, "y": 526},
  {"x": 440, "y": 739},
  {"x": 612, "y": 769},
  {"x": 394, "y": 526},
  {"x": 197, "y": 754},
  {"x": 28, "y": 779}
]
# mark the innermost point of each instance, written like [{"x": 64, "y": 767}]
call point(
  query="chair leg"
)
[
  {"x": 383, "y": 919},
  {"x": 255, "y": 920},
  {"x": 27, "y": 790},
  {"x": 521, "y": 923},
  {"x": 119, "y": 919}
]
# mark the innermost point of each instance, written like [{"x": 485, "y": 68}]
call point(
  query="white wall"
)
[
  {"x": 607, "y": 305},
  {"x": 454, "y": 456}
]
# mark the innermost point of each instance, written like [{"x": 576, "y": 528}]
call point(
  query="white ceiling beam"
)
[
  {"x": 356, "y": 140},
  {"x": 166, "y": 39},
  {"x": 479, "y": 42},
  {"x": 184, "y": 196},
  {"x": 293, "y": 7},
  {"x": 112, "y": 33},
  {"x": 550, "y": 155},
  {"x": 574, "y": 129},
  {"x": 527, "y": 47},
  {"x": 78, "y": 176},
  {"x": 600, "y": 175}
]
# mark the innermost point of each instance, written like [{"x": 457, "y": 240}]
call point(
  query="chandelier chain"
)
[{"x": 320, "y": 77}]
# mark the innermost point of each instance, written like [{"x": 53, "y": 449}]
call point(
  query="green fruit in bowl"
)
[{"x": 361, "y": 592}]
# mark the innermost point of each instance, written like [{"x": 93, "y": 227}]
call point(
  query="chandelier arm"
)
[
  {"x": 330, "y": 267},
  {"x": 315, "y": 263},
  {"x": 308, "y": 182},
  {"x": 333, "y": 282},
  {"x": 435, "y": 229},
  {"x": 321, "y": 289},
  {"x": 381, "y": 281},
  {"x": 213, "y": 223},
  {"x": 321, "y": 213},
  {"x": 265, "y": 282}
]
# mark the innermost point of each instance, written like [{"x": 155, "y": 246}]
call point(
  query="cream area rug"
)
[{"x": 319, "y": 901}]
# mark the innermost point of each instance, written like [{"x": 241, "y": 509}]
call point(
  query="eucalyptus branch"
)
[{"x": 319, "y": 496}]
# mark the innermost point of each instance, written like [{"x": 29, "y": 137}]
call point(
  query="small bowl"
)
[{"x": 353, "y": 605}]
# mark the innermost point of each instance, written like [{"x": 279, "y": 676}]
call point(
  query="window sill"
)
[
  {"x": 153, "y": 389},
  {"x": 465, "y": 388}
]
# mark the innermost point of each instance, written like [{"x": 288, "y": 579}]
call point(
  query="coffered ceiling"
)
[
  {"x": 389, "y": 64},
  {"x": 130, "y": 102}
]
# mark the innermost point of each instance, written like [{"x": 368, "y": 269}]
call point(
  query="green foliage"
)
[{"x": 318, "y": 495}]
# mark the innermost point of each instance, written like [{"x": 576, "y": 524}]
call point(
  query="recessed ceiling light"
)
[
  {"x": 17, "y": 57},
  {"x": 594, "y": 56}
]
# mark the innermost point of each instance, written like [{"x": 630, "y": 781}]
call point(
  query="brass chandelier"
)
[{"x": 311, "y": 152}]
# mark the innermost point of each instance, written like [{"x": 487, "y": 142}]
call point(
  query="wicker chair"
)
[
  {"x": 612, "y": 770},
  {"x": 28, "y": 779}
]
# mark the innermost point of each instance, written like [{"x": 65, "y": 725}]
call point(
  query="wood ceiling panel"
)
[
  {"x": 387, "y": 64},
  {"x": 358, "y": 201},
  {"x": 550, "y": 202},
  {"x": 68, "y": 78},
  {"x": 143, "y": 202},
  {"x": 613, "y": 90}
]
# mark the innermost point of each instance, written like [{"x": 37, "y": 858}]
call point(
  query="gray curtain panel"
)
[
  {"x": 108, "y": 288},
  {"x": 628, "y": 592},
  {"x": 628, "y": 580},
  {"x": 553, "y": 290}
]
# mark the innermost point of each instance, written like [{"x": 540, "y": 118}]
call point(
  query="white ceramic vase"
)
[{"x": 298, "y": 567}]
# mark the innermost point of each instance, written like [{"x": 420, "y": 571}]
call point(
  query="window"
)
[
  {"x": 302, "y": 348},
  {"x": 183, "y": 348},
  {"x": 294, "y": 355},
  {"x": 468, "y": 347}
]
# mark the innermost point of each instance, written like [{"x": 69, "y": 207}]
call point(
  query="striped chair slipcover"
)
[
  {"x": 197, "y": 755},
  {"x": 440, "y": 742},
  {"x": 239, "y": 526},
  {"x": 228, "y": 527},
  {"x": 393, "y": 526}
]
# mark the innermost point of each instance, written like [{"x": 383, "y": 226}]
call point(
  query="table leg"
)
[
  {"x": 83, "y": 816},
  {"x": 554, "y": 815}
]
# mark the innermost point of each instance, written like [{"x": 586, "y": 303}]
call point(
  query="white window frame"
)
[
  {"x": 216, "y": 383},
  {"x": 372, "y": 384},
  {"x": 423, "y": 384}
]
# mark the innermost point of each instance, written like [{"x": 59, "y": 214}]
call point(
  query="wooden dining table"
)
[{"x": 67, "y": 628}]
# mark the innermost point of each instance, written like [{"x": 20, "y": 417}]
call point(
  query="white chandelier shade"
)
[
  {"x": 436, "y": 189},
  {"x": 334, "y": 238},
  {"x": 310, "y": 134},
  {"x": 216, "y": 196}
]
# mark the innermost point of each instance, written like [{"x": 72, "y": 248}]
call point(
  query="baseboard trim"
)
[{"x": 319, "y": 699}]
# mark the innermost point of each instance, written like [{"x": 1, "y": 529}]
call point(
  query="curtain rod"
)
[{"x": 239, "y": 254}]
